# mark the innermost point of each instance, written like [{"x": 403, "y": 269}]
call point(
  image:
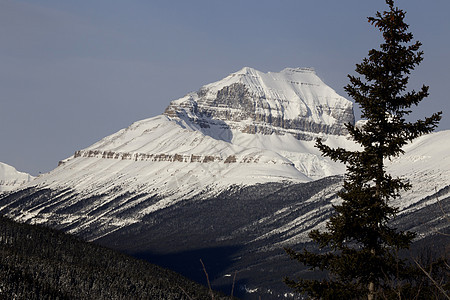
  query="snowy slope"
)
[
  {"x": 11, "y": 179},
  {"x": 426, "y": 164}
]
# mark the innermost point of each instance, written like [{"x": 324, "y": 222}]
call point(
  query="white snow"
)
[
  {"x": 426, "y": 164},
  {"x": 11, "y": 179}
]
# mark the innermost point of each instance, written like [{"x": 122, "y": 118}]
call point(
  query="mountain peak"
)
[
  {"x": 246, "y": 70},
  {"x": 294, "y": 101},
  {"x": 289, "y": 70},
  {"x": 11, "y": 179}
]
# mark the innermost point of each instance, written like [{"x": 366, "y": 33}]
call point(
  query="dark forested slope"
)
[{"x": 41, "y": 263}]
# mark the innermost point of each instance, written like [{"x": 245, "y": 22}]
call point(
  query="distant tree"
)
[{"x": 360, "y": 246}]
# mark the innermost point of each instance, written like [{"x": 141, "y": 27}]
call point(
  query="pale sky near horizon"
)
[{"x": 73, "y": 72}]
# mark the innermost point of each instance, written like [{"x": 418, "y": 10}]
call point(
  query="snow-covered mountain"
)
[
  {"x": 11, "y": 179},
  {"x": 232, "y": 165},
  {"x": 251, "y": 127}
]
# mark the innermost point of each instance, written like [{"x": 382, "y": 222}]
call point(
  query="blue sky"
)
[{"x": 73, "y": 72}]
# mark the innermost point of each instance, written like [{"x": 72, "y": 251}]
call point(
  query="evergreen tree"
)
[{"x": 359, "y": 246}]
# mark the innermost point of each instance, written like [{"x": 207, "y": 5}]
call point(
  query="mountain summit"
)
[{"x": 293, "y": 101}]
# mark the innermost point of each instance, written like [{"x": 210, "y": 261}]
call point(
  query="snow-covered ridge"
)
[{"x": 11, "y": 179}]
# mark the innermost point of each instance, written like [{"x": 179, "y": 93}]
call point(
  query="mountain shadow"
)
[{"x": 189, "y": 263}]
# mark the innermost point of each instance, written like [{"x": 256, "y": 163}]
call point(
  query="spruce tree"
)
[{"x": 359, "y": 245}]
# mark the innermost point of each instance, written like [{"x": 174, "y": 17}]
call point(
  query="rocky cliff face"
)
[{"x": 293, "y": 101}]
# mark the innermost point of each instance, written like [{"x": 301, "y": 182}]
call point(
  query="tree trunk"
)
[{"x": 371, "y": 295}]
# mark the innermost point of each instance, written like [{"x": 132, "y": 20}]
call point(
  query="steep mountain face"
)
[
  {"x": 11, "y": 179},
  {"x": 230, "y": 171}
]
